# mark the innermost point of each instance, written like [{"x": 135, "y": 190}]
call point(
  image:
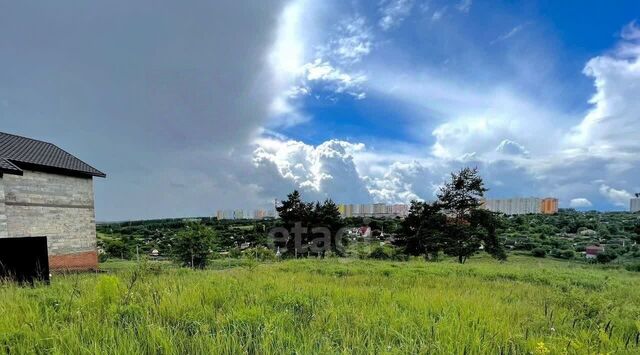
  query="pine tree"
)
[{"x": 468, "y": 226}]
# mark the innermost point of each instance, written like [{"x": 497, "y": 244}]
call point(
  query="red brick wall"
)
[{"x": 80, "y": 261}]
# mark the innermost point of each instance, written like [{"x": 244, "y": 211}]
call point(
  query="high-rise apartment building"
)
[
  {"x": 238, "y": 214},
  {"x": 373, "y": 210},
  {"x": 549, "y": 205},
  {"x": 634, "y": 205},
  {"x": 527, "y": 205},
  {"x": 400, "y": 210},
  {"x": 259, "y": 214}
]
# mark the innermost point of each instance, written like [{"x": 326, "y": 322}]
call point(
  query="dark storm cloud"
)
[{"x": 155, "y": 93}]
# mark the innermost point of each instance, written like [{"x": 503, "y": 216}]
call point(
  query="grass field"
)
[{"x": 329, "y": 306}]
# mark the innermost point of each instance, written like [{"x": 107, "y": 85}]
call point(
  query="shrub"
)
[
  {"x": 103, "y": 257},
  {"x": 633, "y": 267},
  {"x": 192, "y": 246},
  {"x": 381, "y": 253},
  {"x": 567, "y": 254},
  {"x": 539, "y": 253},
  {"x": 116, "y": 248},
  {"x": 260, "y": 253},
  {"x": 562, "y": 254},
  {"x": 606, "y": 257}
]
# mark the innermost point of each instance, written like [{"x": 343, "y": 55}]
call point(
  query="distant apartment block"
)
[
  {"x": 522, "y": 205},
  {"x": 373, "y": 210},
  {"x": 242, "y": 214},
  {"x": 259, "y": 214},
  {"x": 549, "y": 205},
  {"x": 634, "y": 205}
]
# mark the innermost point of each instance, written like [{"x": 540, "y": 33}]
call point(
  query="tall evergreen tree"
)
[
  {"x": 468, "y": 226},
  {"x": 421, "y": 230},
  {"x": 327, "y": 215},
  {"x": 291, "y": 211}
]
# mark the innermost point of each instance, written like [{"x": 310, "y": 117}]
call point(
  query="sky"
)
[{"x": 204, "y": 105}]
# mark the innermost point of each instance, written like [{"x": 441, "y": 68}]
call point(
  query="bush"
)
[
  {"x": 563, "y": 254},
  {"x": 116, "y": 248},
  {"x": 103, "y": 257},
  {"x": 192, "y": 245},
  {"x": 567, "y": 254},
  {"x": 260, "y": 253},
  {"x": 539, "y": 253},
  {"x": 381, "y": 253},
  {"x": 633, "y": 267},
  {"x": 606, "y": 257}
]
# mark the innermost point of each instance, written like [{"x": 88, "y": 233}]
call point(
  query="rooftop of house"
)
[{"x": 18, "y": 153}]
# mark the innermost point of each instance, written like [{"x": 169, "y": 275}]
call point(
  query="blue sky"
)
[{"x": 212, "y": 105}]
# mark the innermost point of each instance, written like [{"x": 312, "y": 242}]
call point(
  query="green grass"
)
[{"x": 345, "y": 306}]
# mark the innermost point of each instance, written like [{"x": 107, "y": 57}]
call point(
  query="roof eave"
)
[{"x": 58, "y": 170}]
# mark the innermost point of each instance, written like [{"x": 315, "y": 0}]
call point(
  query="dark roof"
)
[
  {"x": 18, "y": 152},
  {"x": 8, "y": 167}
]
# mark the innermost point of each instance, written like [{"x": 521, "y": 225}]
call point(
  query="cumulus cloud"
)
[
  {"x": 603, "y": 147},
  {"x": 584, "y": 160},
  {"x": 334, "y": 79},
  {"x": 323, "y": 171},
  {"x": 618, "y": 197},
  {"x": 580, "y": 203},
  {"x": 403, "y": 182},
  {"x": 512, "y": 148},
  {"x": 612, "y": 127}
]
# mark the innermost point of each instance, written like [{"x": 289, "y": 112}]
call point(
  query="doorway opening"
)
[{"x": 24, "y": 260}]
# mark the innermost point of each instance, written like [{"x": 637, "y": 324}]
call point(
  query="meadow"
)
[{"x": 522, "y": 306}]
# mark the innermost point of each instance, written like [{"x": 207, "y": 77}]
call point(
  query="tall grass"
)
[{"x": 329, "y": 306}]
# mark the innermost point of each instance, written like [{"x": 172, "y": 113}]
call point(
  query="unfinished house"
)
[{"x": 46, "y": 197}]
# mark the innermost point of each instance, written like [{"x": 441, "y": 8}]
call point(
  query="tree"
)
[
  {"x": 422, "y": 229},
  {"x": 468, "y": 226},
  {"x": 116, "y": 248},
  {"x": 327, "y": 215},
  {"x": 294, "y": 211},
  {"x": 193, "y": 245},
  {"x": 291, "y": 211},
  {"x": 636, "y": 236}
]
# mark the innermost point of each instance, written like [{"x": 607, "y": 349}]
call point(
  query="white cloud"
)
[
  {"x": 323, "y": 171},
  {"x": 464, "y": 5},
  {"x": 352, "y": 42},
  {"x": 393, "y": 12},
  {"x": 630, "y": 32},
  {"x": 617, "y": 197},
  {"x": 403, "y": 182},
  {"x": 306, "y": 60},
  {"x": 334, "y": 79},
  {"x": 514, "y": 31},
  {"x": 512, "y": 148},
  {"x": 580, "y": 203},
  {"x": 437, "y": 15},
  {"x": 611, "y": 128},
  {"x": 522, "y": 144}
]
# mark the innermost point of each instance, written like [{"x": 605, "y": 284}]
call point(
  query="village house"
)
[
  {"x": 591, "y": 252},
  {"x": 47, "y": 192}
]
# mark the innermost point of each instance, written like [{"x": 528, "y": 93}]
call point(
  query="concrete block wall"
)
[{"x": 56, "y": 206}]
